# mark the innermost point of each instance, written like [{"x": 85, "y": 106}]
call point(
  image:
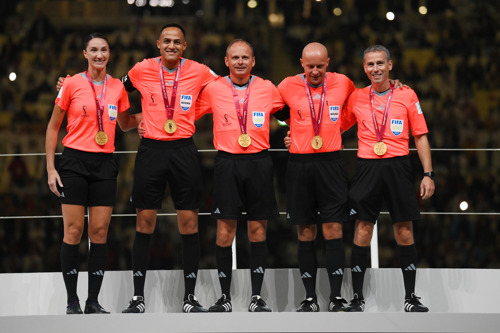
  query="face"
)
[
  {"x": 240, "y": 60},
  {"x": 97, "y": 53},
  {"x": 315, "y": 65},
  {"x": 377, "y": 67},
  {"x": 171, "y": 44}
]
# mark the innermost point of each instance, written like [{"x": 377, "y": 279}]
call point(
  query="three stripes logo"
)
[
  {"x": 141, "y": 307},
  {"x": 356, "y": 269},
  {"x": 191, "y": 276},
  {"x": 222, "y": 275},
  {"x": 259, "y": 270},
  {"x": 98, "y": 273},
  {"x": 217, "y": 211},
  {"x": 306, "y": 275},
  {"x": 411, "y": 268},
  {"x": 72, "y": 272},
  {"x": 187, "y": 307},
  {"x": 138, "y": 273},
  {"x": 338, "y": 272}
]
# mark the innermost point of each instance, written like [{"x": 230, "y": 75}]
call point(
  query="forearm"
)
[{"x": 424, "y": 152}]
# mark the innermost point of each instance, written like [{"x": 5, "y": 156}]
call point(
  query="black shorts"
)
[
  {"x": 244, "y": 183},
  {"x": 390, "y": 179},
  {"x": 89, "y": 179},
  {"x": 316, "y": 189},
  {"x": 158, "y": 162}
]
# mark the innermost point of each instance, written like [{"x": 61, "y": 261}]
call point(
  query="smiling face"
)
[
  {"x": 377, "y": 68},
  {"x": 315, "y": 62},
  {"x": 97, "y": 53},
  {"x": 171, "y": 45},
  {"x": 240, "y": 61}
]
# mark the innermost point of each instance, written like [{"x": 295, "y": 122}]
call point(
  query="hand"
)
[
  {"x": 427, "y": 187},
  {"x": 54, "y": 180},
  {"x": 288, "y": 140},
  {"x": 141, "y": 129},
  {"x": 398, "y": 84},
  {"x": 60, "y": 82}
]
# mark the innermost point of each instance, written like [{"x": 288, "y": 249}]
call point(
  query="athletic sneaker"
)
[
  {"x": 257, "y": 304},
  {"x": 413, "y": 304},
  {"x": 337, "y": 304},
  {"x": 94, "y": 307},
  {"x": 74, "y": 307},
  {"x": 308, "y": 305},
  {"x": 222, "y": 305},
  {"x": 192, "y": 305},
  {"x": 136, "y": 305},
  {"x": 356, "y": 305}
]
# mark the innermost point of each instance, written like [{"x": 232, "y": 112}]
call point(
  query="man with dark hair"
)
[{"x": 384, "y": 170}]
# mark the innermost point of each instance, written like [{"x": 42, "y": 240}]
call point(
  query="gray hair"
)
[{"x": 378, "y": 48}]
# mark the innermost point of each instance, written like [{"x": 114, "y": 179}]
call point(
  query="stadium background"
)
[{"x": 450, "y": 56}]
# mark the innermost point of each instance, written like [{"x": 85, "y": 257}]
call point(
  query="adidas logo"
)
[
  {"x": 317, "y": 96},
  {"x": 187, "y": 307},
  {"x": 138, "y": 273},
  {"x": 338, "y": 272},
  {"x": 222, "y": 275},
  {"x": 306, "y": 275},
  {"x": 62, "y": 195},
  {"x": 353, "y": 212},
  {"x": 72, "y": 272},
  {"x": 217, "y": 211},
  {"x": 99, "y": 273},
  {"x": 259, "y": 270},
  {"x": 191, "y": 276},
  {"x": 411, "y": 268},
  {"x": 356, "y": 269},
  {"x": 288, "y": 216}
]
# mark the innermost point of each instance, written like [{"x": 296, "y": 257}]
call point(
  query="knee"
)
[
  {"x": 332, "y": 230},
  {"x": 73, "y": 234},
  {"x": 257, "y": 233},
  {"x": 306, "y": 233},
  {"x": 98, "y": 234},
  {"x": 363, "y": 234},
  {"x": 224, "y": 237}
]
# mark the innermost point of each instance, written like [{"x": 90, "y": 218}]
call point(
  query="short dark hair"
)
[
  {"x": 174, "y": 25},
  {"x": 239, "y": 40},
  {"x": 377, "y": 48},
  {"x": 91, "y": 36}
]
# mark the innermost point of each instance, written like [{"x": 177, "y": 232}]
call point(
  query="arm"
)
[
  {"x": 427, "y": 185},
  {"x": 127, "y": 121},
  {"x": 50, "y": 148}
]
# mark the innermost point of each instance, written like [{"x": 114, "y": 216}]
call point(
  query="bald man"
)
[{"x": 317, "y": 189}]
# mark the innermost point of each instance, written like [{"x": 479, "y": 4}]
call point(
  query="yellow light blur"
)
[
  {"x": 337, "y": 11},
  {"x": 422, "y": 10},
  {"x": 252, "y": 4}
]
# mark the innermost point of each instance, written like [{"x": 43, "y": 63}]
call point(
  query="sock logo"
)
[
  {"x": 222, "y": 275},
  {"x": 72, "y": 272},
  {"x": 259, "y": 270},
  {"x": 411, "y": 268},
  {"x": 306, "y": 275},
  {"x": 338, "y": 272},
  {"x": 98, "y": 273},
  {"x": 191, "y": 276},
  {"x": 138, "y": 273},
  {"x": 356, "y": 269}
]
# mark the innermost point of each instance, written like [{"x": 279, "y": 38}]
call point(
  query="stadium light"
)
[
  {"x": 464, "y": 206},
  {"x": 422, "y": 10},
  {"x": 337, "y": 11},
  {"x": 12, "y": 76},
  {"x": 252, "y": 4},
  {"x": 390, "y": 16}
]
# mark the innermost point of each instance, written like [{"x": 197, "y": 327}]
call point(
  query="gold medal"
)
[
  {"x": 101, "y": 138},
  {"x": 244, "y": 140},
  {"x": 317, "y": 142},
  {"x": 170, "y": 126},
  {"x": 380, "y": 148}
]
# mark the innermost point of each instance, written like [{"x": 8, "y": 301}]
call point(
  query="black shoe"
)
[
  {"x": 222, "y": 305},
  {"x": 94, "y": 307},
  {"x": 337, "y": 304},
  {"x": 413, "y": 304},
  {"x": 136, "y": 305},
  {"x": 257, "y": 304},
  {"x": 192, "y": 305},
  {"x": 74, "y": 307},
  {"x": 308, "y": 305},
  {"x": 356, "y": 305}
]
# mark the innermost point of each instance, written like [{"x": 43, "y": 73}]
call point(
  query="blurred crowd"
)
[{"x": 450, "y": 57}]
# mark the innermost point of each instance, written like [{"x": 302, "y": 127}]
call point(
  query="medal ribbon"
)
[
  {"x": 169, "y": 107},
  {"x": 99, "y": 103},
  {"x": 242, "y": 119},
  {"x": 316, "y": 121},
  {"x": 380, "y": 133}
]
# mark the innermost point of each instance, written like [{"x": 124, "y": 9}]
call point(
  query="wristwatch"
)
[{"x": 430, "y": 174}]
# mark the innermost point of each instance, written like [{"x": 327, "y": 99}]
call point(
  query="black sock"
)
[
  {"x": 190, "y": 261},
  {"x": 224, "y": 257},
  {"x": 140, "y": 261},
  {"x": 98, "y": 255},
  {"x": 359, "y": 262},
  {"x": 335, "y": 261},
  {"x": 408, "y": 264},
  {"x": 308, "y": 265},
  {"x": 70, "y": 262},
  {"x": 258, "y": 265}
]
